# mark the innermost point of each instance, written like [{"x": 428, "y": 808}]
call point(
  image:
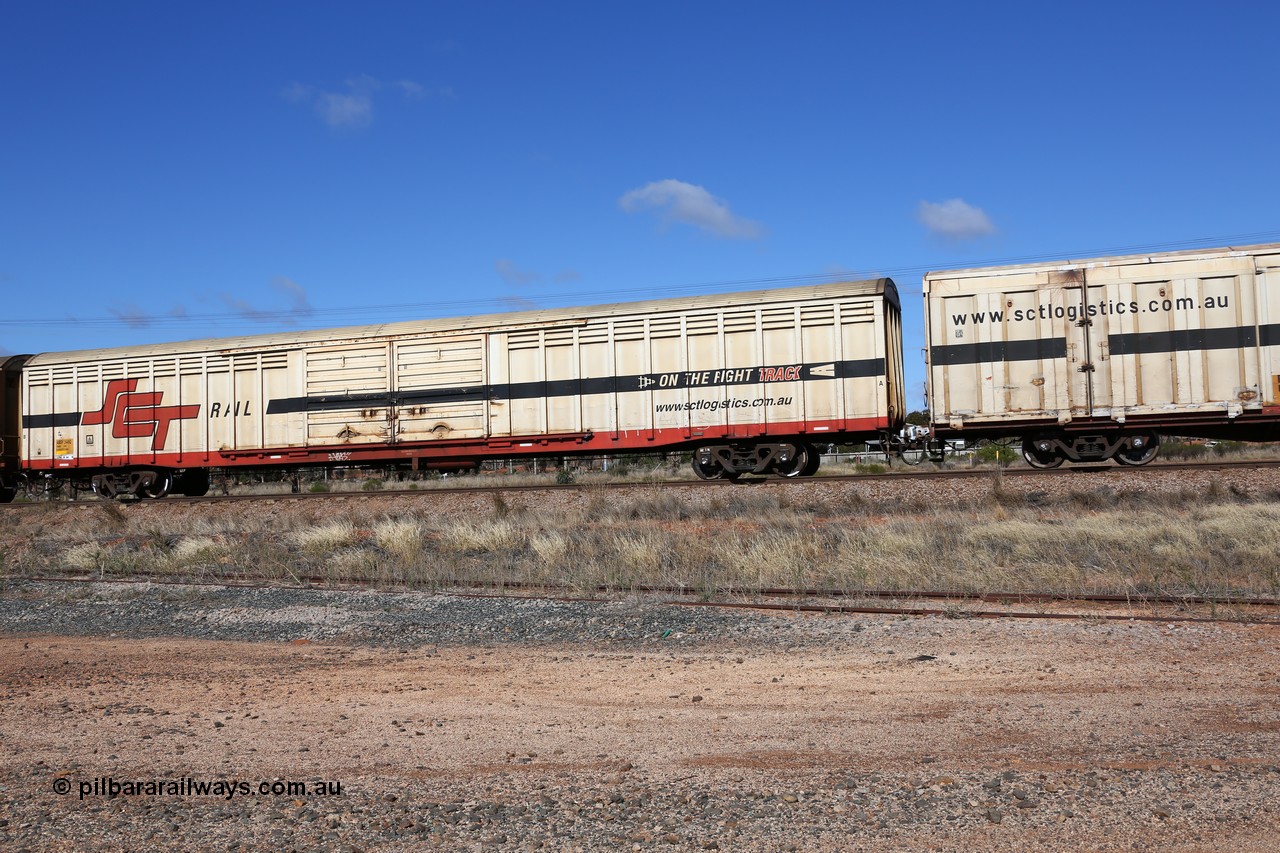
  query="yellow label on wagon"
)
[{"x": 64, "y": 447}]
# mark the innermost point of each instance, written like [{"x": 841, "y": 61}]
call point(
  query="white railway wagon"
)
[
  {"x": 748, "y": 381},
  {"x": 1090, "y": 360}
]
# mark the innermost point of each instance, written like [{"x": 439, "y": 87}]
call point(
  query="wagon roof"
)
[
  {"x": 1112, "y": 261},
  {"x": 508, "y": 321}
]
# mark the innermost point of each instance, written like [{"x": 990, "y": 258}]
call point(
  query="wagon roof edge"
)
[
  {"x": 502, "y": 321},
  {"x": 1109, "y": 261}
]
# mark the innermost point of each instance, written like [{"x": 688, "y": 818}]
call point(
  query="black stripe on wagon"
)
[
  {"x": 1182, "y": 340},
  {"x": 57, "y": 419},
  {"x": 343, "y": 402},
  {"x": 1133, "y": 343},
  {"x": 1269, "y": 335},
  {"x": 663, "y": 381},
  {"x": 1032, "y": 350}
]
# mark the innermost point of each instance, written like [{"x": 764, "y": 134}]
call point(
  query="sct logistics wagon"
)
[
  {"x": 1091, "y": 360},
  {"x": 748, "y": 382}
]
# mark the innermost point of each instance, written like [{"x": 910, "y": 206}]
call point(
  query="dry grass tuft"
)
[
  {"x": 324, "y": 538},
  {"x": 403, "y": 539},
  {"x": 479, "y": 536},
  {"x": 194, "y": 551}
]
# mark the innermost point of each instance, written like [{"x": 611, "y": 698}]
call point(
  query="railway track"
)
[
  {"x": 1150, "y": 606},
  {"x": 467, "y": 486},
  {"x": 917, "y": 603}
]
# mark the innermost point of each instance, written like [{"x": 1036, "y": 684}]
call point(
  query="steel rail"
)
[
  {"x": 1128, "y": 600},
  {"x": 976, "y": 614},
  {"x": 751, "y": 482},
  {"x": 554, "y": 593}
]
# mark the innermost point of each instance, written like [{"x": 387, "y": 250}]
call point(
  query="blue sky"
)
[{"x": 181, "y": 170}]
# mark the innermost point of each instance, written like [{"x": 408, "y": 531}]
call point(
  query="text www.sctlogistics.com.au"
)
[
  {"x": 720, "y": 405},
  {"x": 1097, "y": 309},
  {"x": 110, "y": 788}
]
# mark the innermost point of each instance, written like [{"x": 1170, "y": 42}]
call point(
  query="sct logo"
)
[{"x": 132, "y": 414}]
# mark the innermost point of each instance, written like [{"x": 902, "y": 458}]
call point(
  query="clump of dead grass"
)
[
  {"x": 323, "y": 538},
  {"x": 403, "y": 539}
]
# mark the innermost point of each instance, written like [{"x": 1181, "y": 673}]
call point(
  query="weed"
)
[
  {"x": 113, "y": 514},
  {"x": 472, "y": 536},
  {"x": 402, "y": 539},
  {"x": 326, "y": 537},
  {"x": 89, "y": 557},
  {"x": 193, "y": 551}
]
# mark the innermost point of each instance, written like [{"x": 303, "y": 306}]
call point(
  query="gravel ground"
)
[{"x": 498, "y": 724}]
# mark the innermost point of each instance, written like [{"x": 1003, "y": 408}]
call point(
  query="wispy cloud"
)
[
  {"x": 135, "y": 318},
  {"x": 299, "y": 304},
  {"x": 352, "y": 107},
  {"x": 955, "y": 219},
  {"x": 689, "y": 204},
  {"x": 132, "y": 316},
  {"x": 513, "y": 274}
]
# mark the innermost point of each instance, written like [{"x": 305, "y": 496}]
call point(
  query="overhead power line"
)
[{"x": 350, "y": 315}]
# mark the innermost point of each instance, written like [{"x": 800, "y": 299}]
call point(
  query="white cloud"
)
[
  {"x": 955, "y": 219},
  {"x": 344, "y": 110},
  {"x": 690, "y": 204},
  {"x": 354, "y": 107}
]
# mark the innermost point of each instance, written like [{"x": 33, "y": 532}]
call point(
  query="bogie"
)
[
  {"x": 1050, "y": 450},
  {"x": 731, "y": 461}
]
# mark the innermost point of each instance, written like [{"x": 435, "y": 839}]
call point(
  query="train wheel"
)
[
  {"x": 1039, "y": 453},
  {"x": 7, "y": 494},
  {"x": 1141, "y": 450},
  {"x": 815, "y": 461},
  {"x": 158, "y": 488},
  {"x": 913, "y": 455},
  {"x": 801, "y": 460},
  {"x": 710, "y": 470}
]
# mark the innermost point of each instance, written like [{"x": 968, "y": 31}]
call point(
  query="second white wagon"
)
[{"x": 1093, "y": 359}]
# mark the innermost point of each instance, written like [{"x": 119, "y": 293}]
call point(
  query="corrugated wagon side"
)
[
  {"x": 1090, "y": 360},
  {"x": 750, "y": 382}
]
